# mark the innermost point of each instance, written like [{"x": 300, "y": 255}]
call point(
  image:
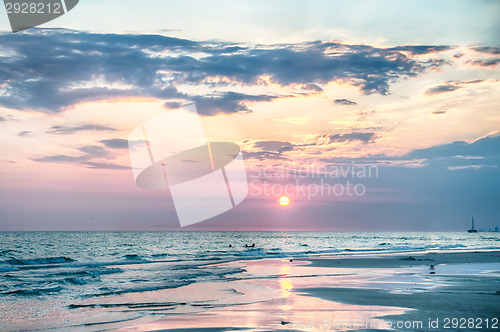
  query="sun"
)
[{"x": 284, "y": 201}]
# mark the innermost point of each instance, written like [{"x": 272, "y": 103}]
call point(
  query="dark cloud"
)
[
  {"x": 363, "y": 137},
  {"x": 441, "y": 89},
  {"x": 269, "y": 150},
  {"x": 489, "y": 62},
  {"x": 63, "y": 130},
  {"x": 439, "y": 112},
  {"x": 51, "y": 70},
  {"x": 489, "y": 50},
  {"x": 228, "y": 102},
  {"x": 7, "y": 118},
  {"x": 286, "y": 148},
  {"x": 422, "y": 49},
  {"x": 276, "y": 149},
  {"x": 345, "y": 102},
  {"x": 484, "y": 152},
  {"x": 469, "y": 82},
  {"x": 273, "y": 146},
  {"x": 24, "y": 133},
  {"x": 92, "y": 151},
  {"x": 488, "y": 146},
  {"x": 115, "y": 143},
  {"x": 450, "y": 86},
  {"x": 95, "y": 165},
  {"x": 80, "y": 161},
  {"x": 61, "y": 158},
  {"x": 173, "y": 104},
  {"x": 486, "y": 62},
  {"x": 313, "y": 87},
  {"x": 263, "y": 155},
  {"x": 87, "y": 159}
]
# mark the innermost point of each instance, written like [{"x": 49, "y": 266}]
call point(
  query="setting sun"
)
[{"x": 284, "y": 201}]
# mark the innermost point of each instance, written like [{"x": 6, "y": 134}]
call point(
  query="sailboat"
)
[{"x": 472, "y": 230}]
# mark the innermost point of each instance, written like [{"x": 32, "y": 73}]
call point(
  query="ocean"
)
[{"x": 104, "y": 280}]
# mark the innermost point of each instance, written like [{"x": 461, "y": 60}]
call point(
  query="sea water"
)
[{"x": 53, "y": 279}]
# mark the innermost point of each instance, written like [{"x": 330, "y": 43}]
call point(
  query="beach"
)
[
  {"x": 366, "y": 292},
  {"x": 294, "y": 281}
]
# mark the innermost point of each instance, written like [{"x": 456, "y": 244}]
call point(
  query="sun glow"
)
[{"x": 284, "y": 201}]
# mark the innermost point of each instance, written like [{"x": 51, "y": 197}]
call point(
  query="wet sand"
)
[{"x": 347, "y": 292}]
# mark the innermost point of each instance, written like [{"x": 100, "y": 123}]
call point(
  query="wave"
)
[
  {"x": 34, "y": 291},
  {"x": 40, "y": 261},
  {"x": 160, "y": 255},
  {"x": 96, "y": 272},
  {"x": 132, "y": 257},
  {"x": 172, "y": 284},
  {"x": 491, "y": 238},
  {"x": 76, "y": 281},
  {"x": 104, "y": 271},
  {"x": 5, "y": 268},
  {"x": 6, "y": 251},
  {"x": 253, "y": 253},
  {"x": 128, "y": 305},
  {"x": 451, "y": 246}
]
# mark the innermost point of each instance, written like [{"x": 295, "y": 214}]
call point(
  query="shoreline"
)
[{"x": 381, "y": 288}]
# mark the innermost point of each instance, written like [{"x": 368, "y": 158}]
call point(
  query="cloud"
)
[
  {"x": 115, "y": 143},
  {"x": 52, "y": 70},
  {"x": 454, "y": 168},
  {"x": 272, "y": 150},
  {"x": 486, "y": 62},
  {"x": 65, "y": 130},
  {"x": 422, "y": 49},
  {"x": 105, "y": 166},
  {"x": 487, "y": 49},
  {"x": 80, "y": 161},
  {"x": 90, "y": 152},
  {"x": 460, "y": 155},
  {"x": 485, "y": 147},
  {"x": 450, "y": 86},
  {"x": 61, "y": 158},
  {"x": 313, "y": 87},
  {"x": 441, "y": 89},
  {"x": 263, "y": 155},
  {"x": 439, "y": 112},
  {"x": 228, "y": 102},
  {"x": 480, "y": 154},
  {"x": 363, "y": 137},
  {"x": 274, "y": 146},
  {"x": 24, "y": 133},
  {"x": 173, "y": 104},
  {"x": 7, "y": 118},
  {"x": 345, "y": 102},
  {"x": 468, "y": 82}
]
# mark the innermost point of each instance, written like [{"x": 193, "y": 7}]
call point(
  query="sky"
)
[{"x": 368, "y": 115}]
